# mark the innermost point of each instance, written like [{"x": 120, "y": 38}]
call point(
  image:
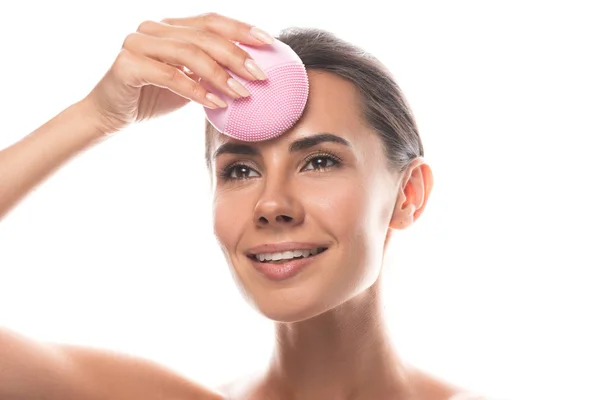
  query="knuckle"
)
[
  {"x": 123, "y": 60},
  {"x": 186, "y": 50},
  {"x": 201, "y": 36},
  {"x": 171, "y": 74},
  {"x": 197, "y": 90},
  {"x": 146, "y": 26},
  {"x": 123, "y": 65},
  {"x": 130, "y": 40},
  {"x": 210, "y": 17}
]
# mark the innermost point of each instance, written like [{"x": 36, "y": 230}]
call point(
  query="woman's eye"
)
[
  {"x": 240, "y": 172},
  {"x": 320, "y": 162}
]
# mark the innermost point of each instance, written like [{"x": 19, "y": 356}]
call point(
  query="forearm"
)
[{"x": 27, "y": 163}]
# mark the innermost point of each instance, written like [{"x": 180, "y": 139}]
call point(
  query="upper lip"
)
[{"x": 281, "y": 247}]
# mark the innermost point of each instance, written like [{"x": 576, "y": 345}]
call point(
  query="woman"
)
[{"x": 332, "y": 190}]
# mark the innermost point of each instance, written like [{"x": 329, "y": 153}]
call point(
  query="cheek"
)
[
  {"x": 340, "y": 207},
  {"x": 354, "y": 212},
  {"x": 228, "y": 212},
  {"x": 347, "y": 212}
]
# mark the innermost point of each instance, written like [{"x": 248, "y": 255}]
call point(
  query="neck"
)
[{"x": 344, "y": 353}]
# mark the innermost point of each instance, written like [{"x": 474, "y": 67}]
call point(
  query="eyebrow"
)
[{"x": 297, "y": 145}]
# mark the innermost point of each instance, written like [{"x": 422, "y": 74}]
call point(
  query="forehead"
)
[{"x": 333, "y": 105}]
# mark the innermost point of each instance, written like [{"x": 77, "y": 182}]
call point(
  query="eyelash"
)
[{"x": 225, "y": 173}]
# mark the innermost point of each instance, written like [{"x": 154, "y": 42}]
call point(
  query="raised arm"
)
[
  {"x": 156, "y": 72},
  {"x": 28, "y": 162}
]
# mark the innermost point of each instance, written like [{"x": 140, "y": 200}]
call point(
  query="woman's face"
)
[{"x": 323, "y": 184}]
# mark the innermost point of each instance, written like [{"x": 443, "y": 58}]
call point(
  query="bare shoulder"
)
[
  {"x": 240, "y": 387},
  {"x": 35, "y": 369},
  {"x": 135, "y": 377},
  {"x": 428, "y": 386},
  {"x": 473, "y": 396}
]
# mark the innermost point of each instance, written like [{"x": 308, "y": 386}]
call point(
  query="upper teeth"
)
[{"x": 286, "y": 255}]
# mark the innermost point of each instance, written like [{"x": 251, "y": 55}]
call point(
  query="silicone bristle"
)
[{"x": 274, "y": 106}]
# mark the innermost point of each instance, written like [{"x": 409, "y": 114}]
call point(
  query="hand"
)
[{"x": 159, "y": 67}]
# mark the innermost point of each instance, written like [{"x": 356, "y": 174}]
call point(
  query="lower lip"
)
[{"x": 285, "y": 270}]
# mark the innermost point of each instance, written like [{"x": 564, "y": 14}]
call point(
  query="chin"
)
[
  {"x": 289, "y": 307},
  {"x": 290, "y": 316},
  {"x": 286, "y": 309}
]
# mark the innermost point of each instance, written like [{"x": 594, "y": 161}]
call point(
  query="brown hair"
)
[{"x": 383, "y": 104}]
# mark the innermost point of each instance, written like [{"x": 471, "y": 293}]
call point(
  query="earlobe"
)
[{"x": 413, "y": 193}]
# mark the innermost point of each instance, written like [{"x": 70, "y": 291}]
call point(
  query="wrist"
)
[{"x": 97, "y": 126}]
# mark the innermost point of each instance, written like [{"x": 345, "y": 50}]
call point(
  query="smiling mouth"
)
[{"x": 286, "y": 256}]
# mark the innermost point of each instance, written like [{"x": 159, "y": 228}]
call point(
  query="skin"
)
[{"x": 328, "y": 318}]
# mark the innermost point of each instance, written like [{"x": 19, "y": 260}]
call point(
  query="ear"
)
[{"x": 413, "y": 193}]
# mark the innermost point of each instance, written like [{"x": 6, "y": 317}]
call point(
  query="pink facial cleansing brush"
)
[{"x": 274, "y": 105}]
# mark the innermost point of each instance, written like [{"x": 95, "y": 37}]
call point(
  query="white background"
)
[{"x": 495, "y": 288}]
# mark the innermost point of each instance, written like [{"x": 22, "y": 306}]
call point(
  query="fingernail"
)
[
  {"x": 238, "y": 87},
  {"x": 261, "y": 35},
  {"x": 254, "y": 69},
  {"x": 216, "y": 100}
]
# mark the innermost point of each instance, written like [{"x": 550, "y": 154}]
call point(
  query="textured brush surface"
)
[{"x": 274, "y": 105}]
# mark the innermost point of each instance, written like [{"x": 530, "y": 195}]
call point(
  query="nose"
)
[{"x": 278, "y": 207}]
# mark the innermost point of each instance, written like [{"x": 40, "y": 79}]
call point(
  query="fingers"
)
[
  {"x": 137, "y": 71},
  {"x": 177, "y": 52},
  {"x": 217, "y": 47},
  {"x": 184, "y": 51},
  {"x": 229, "y": 28}
]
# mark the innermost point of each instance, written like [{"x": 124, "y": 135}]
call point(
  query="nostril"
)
[{"x": 279, "y": 218}]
